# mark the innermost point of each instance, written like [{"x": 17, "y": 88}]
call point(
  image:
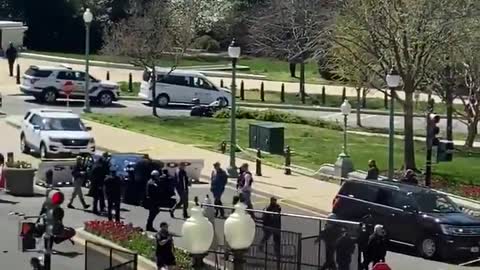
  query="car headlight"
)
[
  {"x": 92, "y": 140},
  {"x": 55, "y": 139},
  {"x": 451, "y": 230}
]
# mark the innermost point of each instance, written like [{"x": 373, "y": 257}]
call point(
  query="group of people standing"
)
[{"x": 373, "y": 173}]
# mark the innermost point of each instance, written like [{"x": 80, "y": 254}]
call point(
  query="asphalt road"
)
[
  {"x": 19, "y": 104},
  {"x": 73, "y": 255}
]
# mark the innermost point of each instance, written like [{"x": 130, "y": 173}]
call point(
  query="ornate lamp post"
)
[
  {"x": 234, "y": 51},
  {"x": 344, "y": 164},
  {"x": 393, "y": 81},
  {"x": 87, "y": 18},
  {"x": 198, "y": 234}
]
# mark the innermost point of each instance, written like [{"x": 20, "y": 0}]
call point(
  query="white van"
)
[{"x": 182, "y": 86}]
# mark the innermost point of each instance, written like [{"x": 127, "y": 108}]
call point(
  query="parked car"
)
[
  {"x": 46, "y": 84},
  {"x": 55, "y": 132},
  {"x": 181, "y": 86},
  {"x": 414, "y": 216}
]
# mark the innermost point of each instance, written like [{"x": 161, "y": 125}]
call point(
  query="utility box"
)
[{"x": 268, "y": 137}]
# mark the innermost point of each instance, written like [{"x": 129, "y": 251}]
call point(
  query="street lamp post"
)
[
  {"x": 198, "y": 234},
  {"x": 344, "y": 164},
  {"x": 393, "y": 81},
  {"x": 87, "y": 18},
  {"x": 239, "y": 231},
  {"x": 234, "y": 51}
]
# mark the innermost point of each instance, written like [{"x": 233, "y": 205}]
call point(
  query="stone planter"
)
[{"x": 19, "y": 181}]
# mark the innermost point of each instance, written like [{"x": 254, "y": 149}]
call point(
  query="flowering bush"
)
[{"x": 132, "y": 238}]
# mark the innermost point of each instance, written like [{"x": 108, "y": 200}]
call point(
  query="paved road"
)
[
  {"x": 137, "y": 216},
  {"x": 19, "y": 104}
]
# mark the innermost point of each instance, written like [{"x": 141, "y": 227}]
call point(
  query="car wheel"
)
[
  {"x": 427, "y": 247},
  {"x": 162, "y": 100},
  {"x": 223, "y": 100},
  {"x": 105, "y": 99},
  {"x": 49, "y": 96},
  {"x": 23, "y": 145},
  {"x": 43, "y": 151}
]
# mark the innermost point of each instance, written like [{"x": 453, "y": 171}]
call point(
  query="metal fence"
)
[
  {"x": 302, "y": 242},
  {"x": 102, "y": 257}
]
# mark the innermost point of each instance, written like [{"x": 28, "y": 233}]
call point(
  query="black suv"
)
[{"x": 412, "y": 215}]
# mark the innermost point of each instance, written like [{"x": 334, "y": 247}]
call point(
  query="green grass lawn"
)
[
  {"x": 253, "y": 95},
  {"x": 124, "y": 91},
  {"x": 274, "y": 69},
  {"x": 313, "y": 146}
]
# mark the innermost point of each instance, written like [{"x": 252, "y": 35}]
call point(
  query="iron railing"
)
[{"x": 103, "y": 257}]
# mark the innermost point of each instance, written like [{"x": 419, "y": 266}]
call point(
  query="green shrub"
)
[
  {"x": 279, "y": 117},
  {"x": 207, "y": 43}
]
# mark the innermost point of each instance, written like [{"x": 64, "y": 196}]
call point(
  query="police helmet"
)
[{"x": 155, "y": 173}]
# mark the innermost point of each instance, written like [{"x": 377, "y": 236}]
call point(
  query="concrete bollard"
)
[
  {"x": 323, "y": 95},
  {"x": 242, "y": 90},
  {"x": 258, "y": 163},
  {"x": 344, "y": 93},
  {"x": 262, "y": 92},
  {"x": 288, "y": 160},
  {"x": 108, "y": 75},
  {"x": 18, "y": 74},
  {"x": 130, "y": 82},
  {"x": 221, "y": 83},
  {"x": 282, "y": 93}
]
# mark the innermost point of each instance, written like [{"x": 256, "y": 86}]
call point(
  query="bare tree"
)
[
  {"x": 379, "y": 34},
  {"x": 286, "y": 29},
  {"x": 152, "y": 30}
]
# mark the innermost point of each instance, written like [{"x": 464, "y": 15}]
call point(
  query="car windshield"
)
[
  {"x": 68, "y": 124},
  {"x": 431, "y": 202}
]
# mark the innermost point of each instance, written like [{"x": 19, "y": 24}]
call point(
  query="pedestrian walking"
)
[
  {"x": 97, "y": 178},
  {"x": 164, "y": 248},
  {"x": 244, "y": 185},
  {"x": 151, "y": 201},
  {"x": 272, "y": 225},
  {"x": 181, "y": 185},
  {"x": 79, "y": 174},
  {"x": 377, "y": 247},
  {"x": 219, "y": 179},
  {"x": 329, "y": 235},
  {"x": 168, "y": 185},
  {"x": 410, "y": 177},
  {"x": 345, "y": 246},
  {"x": 2, "y": 174},
  {"x": 142, "y": 171},
  {"x": 113, "y": 190},
  {"x": 11, "y": 55},
  {"x": 372, "y": 173}
]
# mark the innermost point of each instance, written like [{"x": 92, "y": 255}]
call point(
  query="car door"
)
[
  {"x": 79, "y": 82},
  {"x": 62, "y": 78},
  {"x": 35, "y": 126},
  {"x": 404, "y": 223},
  {"x": 177, "y": 88},
  {"x": 383, "y": 209},
  {"x": 204, "y": 90}
]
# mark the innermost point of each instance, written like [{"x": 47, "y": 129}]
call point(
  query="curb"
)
[
  {"x": 143, "y": 263},
  {"x": 11, "y": 122},
  {"x": 130, "y": 98}
]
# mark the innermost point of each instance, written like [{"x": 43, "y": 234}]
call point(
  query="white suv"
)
[
  {"x": 46, "y": 84},
  {"x": 54, "y": 132}
]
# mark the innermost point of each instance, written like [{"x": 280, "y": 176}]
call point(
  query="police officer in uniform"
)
[
  {"x": 97, "y": 178},
  {"x": 182, "y": 184},
  {"x": 152, "y": 199},
  {"x": 79, "y": 173},
  {"x": 113, "y": 191}
]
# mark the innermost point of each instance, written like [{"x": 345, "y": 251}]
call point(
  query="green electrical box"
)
[{"x": 268, "y": 137}]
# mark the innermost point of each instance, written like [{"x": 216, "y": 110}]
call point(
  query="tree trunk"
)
[
  {"x": 302, "y": 81},
  {"x": 472, "y": 132},
  {"x": 364, "y": 98},
  {"x": 449, "y": 104},
  {"x": 359, "y": 106},
  {"x": 409, "y": 144},
  {"x": 154, "y": 91}
]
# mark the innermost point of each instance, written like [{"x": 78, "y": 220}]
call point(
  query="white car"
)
[
  {"x": 47, "y": 84},
  {"x": 55, "y": 132},
  {"x": 182, "y": 86}
]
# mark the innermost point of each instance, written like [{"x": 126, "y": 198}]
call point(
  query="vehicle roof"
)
[
  {"x": 394, "y": 185},
  {"x": 53, "y": 68},
  {"x": 53, "y": 113},
  {"x": 185, "y": 72}
]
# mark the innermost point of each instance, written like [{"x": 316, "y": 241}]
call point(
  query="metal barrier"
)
[
  {"x": 102, "y": 257},
  {"x": 302, "y": 242}
]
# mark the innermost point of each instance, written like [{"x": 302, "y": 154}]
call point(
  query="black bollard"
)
[
  {"x": 130, "y": 82},
  {"x": 242, "y": 91},
  {"x": 288, "y": 153},
  {"x": 221, "y": 83},
  {"x": 344, "y": 93},
  {"x": 323, "y": 95},
  {"x": 108, "y": 75},
  {"x": 282, "y": 93},
  {"x": 262, "y": 92},
  {"x": 223, "y": 147},
  {"x": 258, "y": 163},
  {"x": 18, "y": 73}
]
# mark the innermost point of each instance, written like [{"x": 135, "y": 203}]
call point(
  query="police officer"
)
[
  {"x": 142, "y": 171},
  {"x": 244, "y": 187},
  {"x": 219, "y": 179},
  {"x": 272, "y": 225},
  {"x": 153, "y": 195},
  {"x": 97, "y": 178},
  {"x": 167, "y": 186},
  {"x": 182, "y": 184},
  {"x": 113, "y": 191},
  {"x": 79, "y": 174}
]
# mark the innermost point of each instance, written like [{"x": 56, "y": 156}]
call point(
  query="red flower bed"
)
[{"x": 117, "y": 232}]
